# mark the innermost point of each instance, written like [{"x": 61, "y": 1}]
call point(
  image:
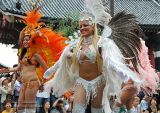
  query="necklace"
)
[{"x": 87, "y": 40}]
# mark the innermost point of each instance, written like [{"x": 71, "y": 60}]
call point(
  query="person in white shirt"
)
[
  {"x": 41, "y": 97},
  {"x": 7, "y": 88},
  {"x": 17, "y": 87},
  {"x": 144, "y": 103}
]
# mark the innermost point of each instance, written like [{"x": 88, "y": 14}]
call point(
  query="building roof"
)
[
  {"x": 147, "y": 11},
  {"x": 50, "y": 8},
  {"x": 9, "y": 31}
]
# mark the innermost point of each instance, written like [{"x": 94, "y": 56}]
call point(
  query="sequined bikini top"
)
[
  {"x": 89, "y": 54},
  {"x": 28, "y": 61}
]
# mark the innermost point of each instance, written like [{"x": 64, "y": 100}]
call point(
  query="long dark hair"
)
[{"x": 22, "y": 54}]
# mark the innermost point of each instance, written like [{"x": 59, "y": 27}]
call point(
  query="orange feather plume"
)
[
  {"x": 49, "y": 45},
  {"x": 33, "y": 17},
  {"x": 43, "y": 40}
]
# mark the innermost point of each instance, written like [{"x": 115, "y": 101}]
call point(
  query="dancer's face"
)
[
  {"x": 86, "y": 28},
  {"x": 26, "y": 41}
]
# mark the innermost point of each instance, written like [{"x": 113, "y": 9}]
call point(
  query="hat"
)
[{"x": 1, "y": 80}]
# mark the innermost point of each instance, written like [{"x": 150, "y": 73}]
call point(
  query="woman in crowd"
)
[
  {"x": 58, "y": 106},
  {"x": 46, "y": 107},
  {"x": 95, "y": 67}
]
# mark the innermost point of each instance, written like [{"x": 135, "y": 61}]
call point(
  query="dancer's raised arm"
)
[{"x": 8, "y": 70}]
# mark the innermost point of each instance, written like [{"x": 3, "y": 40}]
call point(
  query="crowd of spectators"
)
[{"x": 10, "y": 87}]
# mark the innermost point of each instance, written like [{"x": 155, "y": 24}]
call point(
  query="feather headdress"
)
[{"x": 33, "y": 17}]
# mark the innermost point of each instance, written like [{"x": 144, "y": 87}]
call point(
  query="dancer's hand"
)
[
  {"x": 41, "y": 88},
  {"x": 68, "y": 94},
  {"x": 71, "y": 99}
]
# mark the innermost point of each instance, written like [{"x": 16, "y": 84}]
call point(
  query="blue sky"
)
[{"x": 8, "y": 56}]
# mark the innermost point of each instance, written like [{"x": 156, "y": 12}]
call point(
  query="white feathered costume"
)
[{"x": 114, "y": 69}]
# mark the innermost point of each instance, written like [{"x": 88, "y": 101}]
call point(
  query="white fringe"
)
[{"x": 64, "y": 79}]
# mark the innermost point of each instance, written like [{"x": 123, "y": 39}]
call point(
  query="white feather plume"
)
[
  {"x": 115, "y": 69},
  {"x": 64, "y": 79},
  {"x": 98, "y": 10}
]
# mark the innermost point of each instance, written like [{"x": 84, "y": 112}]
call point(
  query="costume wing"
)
[
  {"x": 115, "y": 70},
  {"x": 146, "y": 72},
  {"x": 64, "y": 79},
  {"x": 120, "y": 46},
  {"x": 133, "y": 48},
  {"x": 50, "y": 46},
  {"x": 123, "y": 27}
]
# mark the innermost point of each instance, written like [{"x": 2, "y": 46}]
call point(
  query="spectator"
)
[
  {"x": 0, "y": 92},
  {"x": 58, "y": 106},
  {"x": 153, "y": 106},
  {"x": 158, "y": 96},
  {"x": 141, "y": 95},
  {"x": 46, "y": 107},
  {"x": 7, "y": 88},
  {"x": 144, "y": 103},
  {"x": 17, "y": 87},
  {"x": 11, "y": 81},
  {"x": 8, "y": 107},
  {"x": 136, "y": 105},
  {"x": 41, "y": 97},
  {"x": 53, "y": 97}
]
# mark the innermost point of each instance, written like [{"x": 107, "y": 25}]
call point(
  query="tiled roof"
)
[
  {"x": 147, "y": 11},
  {"x": 50, "y": 8},
  {"x": 9, "y": 32}
]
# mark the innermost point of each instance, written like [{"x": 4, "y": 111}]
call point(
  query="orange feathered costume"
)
[{"x": 46, "y": 42}]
